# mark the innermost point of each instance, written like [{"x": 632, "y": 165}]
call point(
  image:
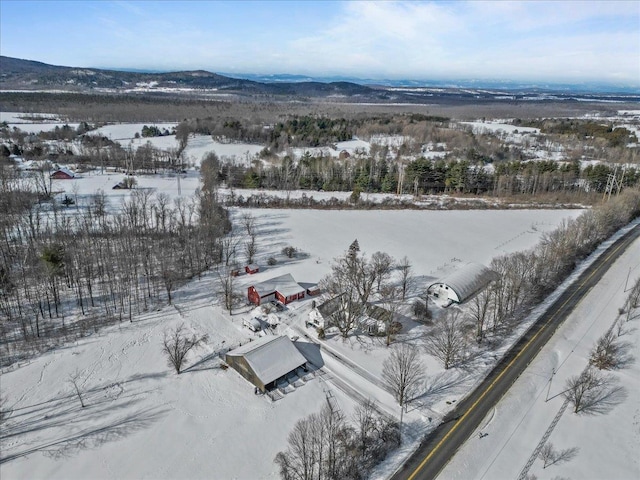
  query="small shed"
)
[
  {"x": 252, "y": 268},
  {"x": 63, "y": 174},
  {"x": 462, "y": 284},
  {"x": 266, "y": 361},
  {"x": 283, "y": 289},
  {"x": 313, "y": 290}
]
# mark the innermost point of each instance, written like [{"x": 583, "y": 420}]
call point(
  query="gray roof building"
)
[
  {"x": 265, "y": 361},
  {"x": 462, "y": 284}
]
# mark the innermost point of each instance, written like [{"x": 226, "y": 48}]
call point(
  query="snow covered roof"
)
[
  {"x": 285, "y": 284},
  {"x": 66, "y": 171},
  {"x": 330, "y": 307},
  {"x": 467, "y": 280},
  {"x": 270, "y": 357}
]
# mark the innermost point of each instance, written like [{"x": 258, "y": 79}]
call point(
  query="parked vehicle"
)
[{"x": 253, "y": 324}]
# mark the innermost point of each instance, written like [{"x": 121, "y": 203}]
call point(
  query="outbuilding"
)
[
  {"x": 313, "y": 290},
  {"x": 63, "y": 174},
  {"x": 283, "y": 289},
  {"x": 462, "y": 284},
  {"x": 266, "y": 361},
  {"x": 252, "y": 268}
]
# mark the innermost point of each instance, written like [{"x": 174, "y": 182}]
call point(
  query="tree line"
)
[
  {"x": 424, "y": 176},
  {"x": 98, "y": 262},
  {"x": 524, "y": 279},
  {"x": 326, "y": 446}
]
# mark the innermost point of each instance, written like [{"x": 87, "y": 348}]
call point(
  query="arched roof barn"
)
[{"x": 462, "y": 284}]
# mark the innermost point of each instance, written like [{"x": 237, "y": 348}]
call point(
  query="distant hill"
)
[
  {"x": 28, "y": 75},
  {"x": 21, "y": 74}
]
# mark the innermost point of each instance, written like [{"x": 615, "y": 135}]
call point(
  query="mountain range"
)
[{"x": 19, "y": 74}]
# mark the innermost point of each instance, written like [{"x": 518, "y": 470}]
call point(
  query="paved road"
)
[{"x": 438, "y": 448}]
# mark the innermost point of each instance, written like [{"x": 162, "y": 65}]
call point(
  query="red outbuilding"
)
[
  {"x": 252, "y": 268},
  {"x": 63, "y": 174},
  {"x": 284, "y": 289}
]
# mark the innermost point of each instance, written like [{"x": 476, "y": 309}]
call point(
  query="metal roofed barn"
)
[
  {"x": 265, "y": 361},
  {"x": 462, "y": 284},
  {"x": 283, "y": 289}
]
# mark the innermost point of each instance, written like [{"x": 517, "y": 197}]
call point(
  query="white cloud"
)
[
  {"x": 484, "y": 39},
  {"x": 525, "y": 40}
]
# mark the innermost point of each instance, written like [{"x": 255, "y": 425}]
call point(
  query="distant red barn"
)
[
  {"x": 63, "y": 174},
  {"x": 283, "y": 289}
]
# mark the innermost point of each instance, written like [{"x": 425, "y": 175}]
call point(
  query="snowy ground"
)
[
  {"x": 434, "y": 241},
  {"x": 206, "y": 422},
  {"x": 483, "y": 127},
  {"x": 608, "y": 442}
]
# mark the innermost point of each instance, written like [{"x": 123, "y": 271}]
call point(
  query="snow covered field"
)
[
  {"x": 143, "y": 421},
  {"x": 608, "y": 443},
  {"x": 483, "y": 127}
]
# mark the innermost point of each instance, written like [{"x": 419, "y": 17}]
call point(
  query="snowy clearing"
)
[
  {"x": 127, "y": 131},
  {"x": 483, "y": 127},
  {"x": 608, "y": 442},
  {"x": 206, "y": 422}
]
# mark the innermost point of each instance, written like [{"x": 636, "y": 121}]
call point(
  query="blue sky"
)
[{"x": 522, "y": 41}]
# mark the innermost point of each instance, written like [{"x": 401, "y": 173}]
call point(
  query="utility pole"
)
[
  {"x": 613, "y": 183},
  {"x": 553, "y": 372}
]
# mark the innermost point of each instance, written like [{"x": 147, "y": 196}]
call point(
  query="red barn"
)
[
  {"x": 63, "y": 174},
  {"x": 252, "y": 268},
  {"x": 283, "y": 289}
]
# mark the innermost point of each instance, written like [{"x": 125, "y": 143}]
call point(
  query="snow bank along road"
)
[{"x": 441, "y": 445}]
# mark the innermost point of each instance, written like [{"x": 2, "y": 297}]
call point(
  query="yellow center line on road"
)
[{"x": 510, "y": 364}]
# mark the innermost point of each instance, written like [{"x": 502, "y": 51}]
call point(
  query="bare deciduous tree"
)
[
  {"x": 41, "y": 178},
  {"x": 249, "y": 223},
  {"x": 323, "y": 446},
  {"x": 316, "y": 447},
  {"x": 403, "y": 373},
  {"x": 364, "y": 417},
  {"x": 550, "y": 456},
  {"x": 226, "y": 288},
  {"x": 478, "y": 309},
  {"x": 381, "y": 264},
  {"x": 176, "y": 344},
  {"x": 447, "y": 341},
  {"x": 229, "y": 248},
  {"x": 404, "y": 266},
  {"x": 592, "y": 391},
  {"x": 606, "y": 353},
  {"x": 347, "y": 314},
  {"x": 251, "y": 248},
  {"x": 389, "y": 295}
]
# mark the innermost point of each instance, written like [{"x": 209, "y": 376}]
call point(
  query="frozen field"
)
[
  {"x": 608, "y": 442},
  {"x": 206, "y": 422}
]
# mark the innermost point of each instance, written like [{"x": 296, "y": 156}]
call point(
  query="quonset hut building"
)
[{"x": 462, "y": 284}]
